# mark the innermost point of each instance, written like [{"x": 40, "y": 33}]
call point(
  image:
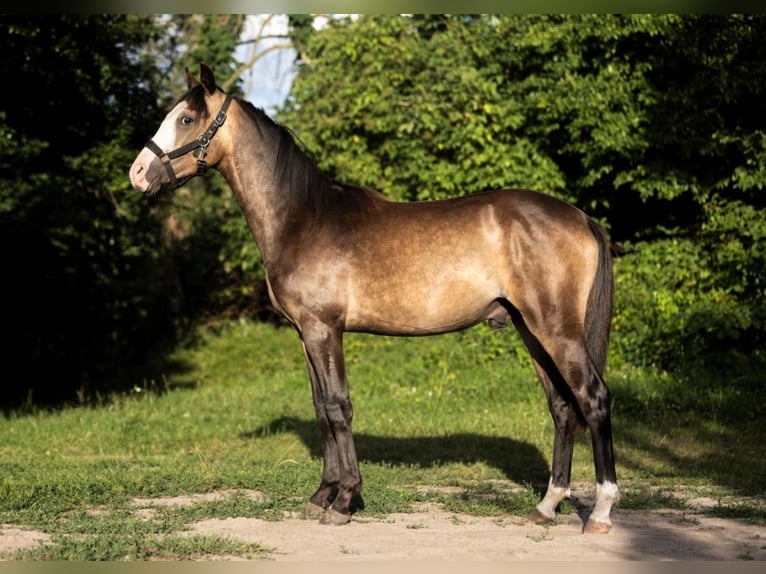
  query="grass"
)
[{"x": 463, "y": 411}]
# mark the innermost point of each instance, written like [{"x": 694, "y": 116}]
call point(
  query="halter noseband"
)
[{"x": 198, "y": 147}]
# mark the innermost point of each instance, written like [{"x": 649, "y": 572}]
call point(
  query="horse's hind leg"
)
[
  {"x": 592, "y": 399},
  {"x": 566, "y": 423},
  {"x": 567, "y": 426},
  {"x": 576, "y": 393}
]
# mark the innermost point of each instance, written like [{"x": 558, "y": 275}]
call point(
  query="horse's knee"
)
[{"x": 339, "y": 412}]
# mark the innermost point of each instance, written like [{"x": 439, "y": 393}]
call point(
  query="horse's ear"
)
[
  {"x": 191, "y": 81},
  {"x": 207, "y": 78}
]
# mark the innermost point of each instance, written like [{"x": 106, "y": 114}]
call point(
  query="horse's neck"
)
[
  {"x": 249, "y": 171},
  {"x": 261, "y": 217}
]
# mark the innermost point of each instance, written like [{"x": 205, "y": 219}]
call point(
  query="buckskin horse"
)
[{"x": 342, "y": 258}]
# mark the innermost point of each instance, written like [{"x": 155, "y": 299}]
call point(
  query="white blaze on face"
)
[{"x": 165, "y": 138}]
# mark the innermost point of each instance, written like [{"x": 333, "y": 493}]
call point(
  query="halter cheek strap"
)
[{"x": 198, "y": 147}]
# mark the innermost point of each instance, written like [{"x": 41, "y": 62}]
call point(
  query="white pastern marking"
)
[
  {"x": 607, "y": 494},
  {"x": 554, "y": 495}
]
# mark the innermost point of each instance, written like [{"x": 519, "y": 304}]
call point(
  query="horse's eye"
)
[{"x": 187, "y": 121}]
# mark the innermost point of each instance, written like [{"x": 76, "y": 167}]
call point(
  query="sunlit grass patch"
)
[{"x": 458, "y": 420}]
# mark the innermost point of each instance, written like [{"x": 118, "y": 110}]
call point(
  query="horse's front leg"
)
[{"x": 341, "y": 484}]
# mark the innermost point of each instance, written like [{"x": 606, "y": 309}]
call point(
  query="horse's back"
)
[{"x": 437, "y": 266}]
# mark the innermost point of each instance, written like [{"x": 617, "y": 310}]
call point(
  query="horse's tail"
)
[{"x": 598, "y": 310}]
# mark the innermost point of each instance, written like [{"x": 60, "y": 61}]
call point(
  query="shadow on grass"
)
[
  {"x": 519, "y": 461},
  {"x": 699, "y": 427},
  {"x": 51, "y": 390},
  {"x": 694, "y": 450}
]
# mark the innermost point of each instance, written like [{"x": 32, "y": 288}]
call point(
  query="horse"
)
[{"x": 343, "y": 258}]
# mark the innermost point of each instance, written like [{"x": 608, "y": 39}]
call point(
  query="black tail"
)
[{"x": 598, "y": 312}]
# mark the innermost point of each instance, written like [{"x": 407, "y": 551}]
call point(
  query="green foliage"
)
[
  {"x": 218, "y": 265},
  {"x": 80, "y": 253},
  {"x": 417, "y": 109},
  {"x": 300, "y": 28},
  {"x": 210, "y": 39},
  {"x": 97, "y": 267},
  {"x": 683, "y": 302},
  {"x": 651, "y": 123}
]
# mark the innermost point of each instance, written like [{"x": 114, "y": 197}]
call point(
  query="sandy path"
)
[
  {"x": 434, "y": 534},
  {"x": 431, "y": 533}
]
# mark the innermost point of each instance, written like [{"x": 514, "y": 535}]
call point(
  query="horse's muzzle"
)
[{"x": 147, "y": 173}]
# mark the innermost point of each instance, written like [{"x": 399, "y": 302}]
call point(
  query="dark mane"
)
[{"x": 301, "y": 182}]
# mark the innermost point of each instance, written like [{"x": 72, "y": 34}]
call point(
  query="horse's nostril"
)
[{"x": 137, "y": 173}]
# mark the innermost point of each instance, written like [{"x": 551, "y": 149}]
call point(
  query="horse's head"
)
[{"x": 183, "y": 146}]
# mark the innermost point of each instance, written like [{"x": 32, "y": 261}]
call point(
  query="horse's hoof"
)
[
  {"x": 596, "y": 527},
  {"x": 312, "y": 510},
  {"x": 537, "y": 517},
  {"x": 334, "y": 518}
]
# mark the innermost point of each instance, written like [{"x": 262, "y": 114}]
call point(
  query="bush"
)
[{"x": 683, "y": 304}]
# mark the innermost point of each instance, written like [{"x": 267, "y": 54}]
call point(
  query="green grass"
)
[{"x": 462, "y": 410}]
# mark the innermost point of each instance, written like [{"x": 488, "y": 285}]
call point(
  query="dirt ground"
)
[{"x": 431, "y": 533}]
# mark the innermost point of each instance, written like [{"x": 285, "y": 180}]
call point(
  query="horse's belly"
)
[{"x": 421, "y": 309}]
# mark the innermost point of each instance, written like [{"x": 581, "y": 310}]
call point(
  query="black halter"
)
[{"x": 198, "y": 147}]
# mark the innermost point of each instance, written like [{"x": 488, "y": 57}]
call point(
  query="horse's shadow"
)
[{"x": 521, "y": 462}]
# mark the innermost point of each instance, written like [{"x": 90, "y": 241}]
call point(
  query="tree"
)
[
  {"x": 408, "y": 105},
  {"x": 101, "y": 279},
  {"x": 652, "y": 123},
  {"x": 82, "y": 252}
]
